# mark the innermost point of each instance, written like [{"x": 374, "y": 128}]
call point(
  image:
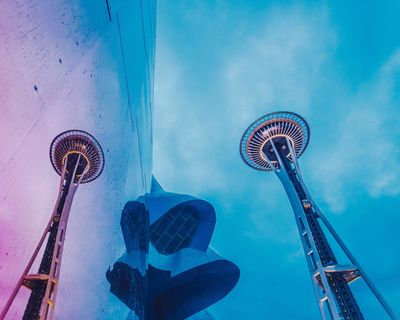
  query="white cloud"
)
[
  {"x": 282, "y": 58},
  {"x": 196, "y": 136},
  {"x": 280, "y": 65},
  {"x": 364, "y": 155},
  {"x": 285, "y": 64}
]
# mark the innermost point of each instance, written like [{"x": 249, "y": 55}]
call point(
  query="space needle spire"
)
[{"x": 274, "y": 142}]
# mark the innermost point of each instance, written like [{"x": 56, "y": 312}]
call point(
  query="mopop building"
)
[
  {"x": 169, "y": 271},
  {"x": 64, "y": 65},
  {"x": 274, "y": 143}
]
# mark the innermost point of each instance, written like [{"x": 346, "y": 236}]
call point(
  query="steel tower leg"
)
[
  {"x": 342, "y": 245},
  {"x": 367, "y": 280},
  {"x": 44, "y": 283},
  {"x": 330, "y": 280}
]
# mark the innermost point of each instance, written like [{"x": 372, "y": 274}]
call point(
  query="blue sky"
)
[{"x": 222, "y": 64}]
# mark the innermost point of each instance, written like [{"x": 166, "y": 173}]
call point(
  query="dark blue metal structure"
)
[{"x": 169, "y": 271}]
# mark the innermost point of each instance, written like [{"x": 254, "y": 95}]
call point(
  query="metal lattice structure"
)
[
  {"x": 274, "y": 143},
  {"x": 78, "y": 158}
]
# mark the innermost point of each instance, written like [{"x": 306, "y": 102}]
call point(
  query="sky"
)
[{"x": 222, "y": 64}]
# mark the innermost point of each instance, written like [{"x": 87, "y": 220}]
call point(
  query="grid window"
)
[{"x": 175, "y": 229}]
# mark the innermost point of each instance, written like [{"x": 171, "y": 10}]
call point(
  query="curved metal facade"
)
[
  {"x": 86, "y": 65},
  {"x": 168, "y": 271}
]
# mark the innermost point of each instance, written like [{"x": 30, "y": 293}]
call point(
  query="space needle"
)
[
  {"x": 274, "y": 142},
  {"x": 78, "y": 158}
]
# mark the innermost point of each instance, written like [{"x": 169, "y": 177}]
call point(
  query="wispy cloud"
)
[
  {"x": 219, "y": 68},
  {"x": 279, "y": 66},
  {"x": 364, "y": 154}
]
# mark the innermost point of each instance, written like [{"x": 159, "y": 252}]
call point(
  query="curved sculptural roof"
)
[
  {"x": 169, "y": 266},
  {"x": 163, "y": 205}
]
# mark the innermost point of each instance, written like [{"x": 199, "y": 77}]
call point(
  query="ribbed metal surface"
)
[
  {"x": 77, "y": 141},
  {"x": 273, "y": 125}
]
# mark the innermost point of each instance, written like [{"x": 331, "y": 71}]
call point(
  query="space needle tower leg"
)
[
  {"x": 307, "y": 234},
  {"x": 44, "y": 284}
]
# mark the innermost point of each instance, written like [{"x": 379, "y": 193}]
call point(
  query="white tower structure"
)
[{"x": 274, "y": 143}]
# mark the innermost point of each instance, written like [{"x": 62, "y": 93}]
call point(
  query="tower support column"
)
[
  {"x": 316, "y": 248},
  {"x": 44, "y": 284}
]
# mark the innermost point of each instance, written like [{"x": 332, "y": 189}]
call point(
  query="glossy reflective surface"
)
[
  {"x": 160, "y": 284},
  {"x": 65, "y": 65}
]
